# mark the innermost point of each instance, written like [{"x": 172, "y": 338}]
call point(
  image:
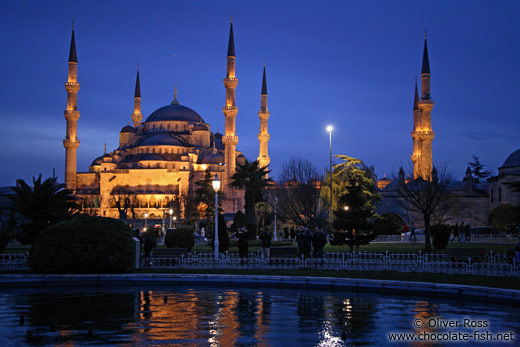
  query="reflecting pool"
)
[{"x": 218, "y": 316}]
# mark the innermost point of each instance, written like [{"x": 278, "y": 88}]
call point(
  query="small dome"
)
[
  {"x": 383, "y": 182},
  {"x": 200, "y": 127},
  {"x": 162, "y": 140},
  {"x": 128, "y": 129},
  {"x": 174, "y": 112},
  {"x": 513, "y": 159}
]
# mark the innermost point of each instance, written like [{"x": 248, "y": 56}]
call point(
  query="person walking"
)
[
  {"x": 319, "y": 240},
  {"x": 266, "y": 237},
  {"x": 306, "y": 243},
  {"x": 467, "y": 234},
  {"x": 458, "y": 228},
  {"x": 243, "y": 245},
  {"x": 412, "y": 233}
]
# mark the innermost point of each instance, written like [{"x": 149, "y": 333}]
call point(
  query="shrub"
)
[
  {"x": 503, "y": 216},
  {"x": 84, "y": 244},
  {"x": 338, "y": 238},
  {"x": 440, "y": 235},
  {"x": 180, "y": 238},
  {"x": 387, "y": 224}
]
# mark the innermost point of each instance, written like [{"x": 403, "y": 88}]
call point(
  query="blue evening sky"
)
[{"x": 348, "y": 63}]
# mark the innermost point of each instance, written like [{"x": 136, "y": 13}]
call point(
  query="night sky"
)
[{"x": 351, "y": 64}]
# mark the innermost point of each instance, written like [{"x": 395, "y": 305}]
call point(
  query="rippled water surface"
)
[{"x": 194, "y": 316}]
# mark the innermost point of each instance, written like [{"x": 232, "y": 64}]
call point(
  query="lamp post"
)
[
  {"x": 275, "y": 204},
  {"x": 171, "y": 212},
  {"x": 145, "y": 221},
  {"x": 216, "y": 187},
  {"x": 329, "y": 130}
]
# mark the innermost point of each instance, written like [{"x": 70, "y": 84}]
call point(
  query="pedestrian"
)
[
  {"x": 467, "y": 234},
  {"x": 412, "y": 233},
  {"x": 243, "y": 245},
  {"x": 404, "y": 230},
  {"x": 293, "y": 234},
  {"x": 458, "y": 228},
  {"x": 149, "y": 244},
  {"x": 286, "y": 233},
  {"x": 306, "y": 240},
  {"x": 265, "y": 236},
  {"x": 516, "y": 260},
  {"x": 319, "y": 240}
]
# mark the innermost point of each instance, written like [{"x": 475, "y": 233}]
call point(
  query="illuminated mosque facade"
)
[{"x": 161, "y": 159}]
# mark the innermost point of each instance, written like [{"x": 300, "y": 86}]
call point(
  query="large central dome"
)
[{"x": 174, "y": 112}]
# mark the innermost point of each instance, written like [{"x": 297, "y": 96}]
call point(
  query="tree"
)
[
  {"x": 205, "y": 194},
  {"x": 263, "y": 210},
  {"x": 125, "y": 200},
  {"x": 428, "y": 197},
  {"x": 45, "y": 203},
  {"x": 252, "y": 179},
  {"x": 356, "y": 202},
  {"x": 504, "y": 216},
  {"x": 477, "y": 169},
  {"x": 298, "y": 193}
]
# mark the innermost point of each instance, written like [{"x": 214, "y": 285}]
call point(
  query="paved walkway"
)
[{"x": 294, "y": 282}]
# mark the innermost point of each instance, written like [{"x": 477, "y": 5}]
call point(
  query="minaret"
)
[
  {"x": 71, "y": 142},
  {"x": 263, "y": 135},
  {"x": 229, "y": 139},
  {"x": 425, "y": 132},
  {"x": 137, "y": 117},
  {"x": 416, "y": 155}
]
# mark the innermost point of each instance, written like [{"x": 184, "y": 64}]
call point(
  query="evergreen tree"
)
[
  {"x": 477, "y": 168},
  {"x": 356, "y": 202},
  {"x": 252, "y": 179}
]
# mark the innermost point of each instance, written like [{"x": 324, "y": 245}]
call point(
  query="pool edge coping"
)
[{"x": 409, "y": 287}]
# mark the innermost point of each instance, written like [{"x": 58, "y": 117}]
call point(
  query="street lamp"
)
[
  {"x": 329, "y": 130},
  {"x": 216, "y": 187},
  {"x": 171, "y": 212},
  {"x": 145, "y": 221},
  {"x": 275, "y": 204}
]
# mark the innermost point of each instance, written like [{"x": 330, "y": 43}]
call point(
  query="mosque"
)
[
  {"x": 475, "y": 200},
  {"x": 161, "y": 159}
]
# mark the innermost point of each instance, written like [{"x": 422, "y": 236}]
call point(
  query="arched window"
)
[
  {"x": 168, "y": 127},
  {"x": 176, "y": 127}
]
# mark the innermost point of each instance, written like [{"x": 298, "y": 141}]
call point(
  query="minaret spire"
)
[
  {"x": 230, "y": 139},
  {"x": 137, "y": 117},
  {"x": 426, "y": 61},
  {"x": 263, "y": 135},
  {"x": 73, "y": 57},
  {"x": 175, "y": 101},
  {"x": 71, "y": 142}
]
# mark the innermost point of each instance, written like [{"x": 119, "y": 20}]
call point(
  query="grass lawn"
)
[{"x": 485, "y": 281}]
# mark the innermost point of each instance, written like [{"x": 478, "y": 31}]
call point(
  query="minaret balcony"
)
[
  {"x": 71, "y": 115},
  {"x": 72, "y": 86},
  {"x": 264, "y": 115},
  {"x": 230, "y": 140},
  {"x": 230, "y": 82},
  {"x": 230, "y": 111},
  {"x": 263, "y": 137},
  {"x": 71, "y": 143}
]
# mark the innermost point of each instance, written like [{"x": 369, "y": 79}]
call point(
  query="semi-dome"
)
[
  {"x": 200, "y": 127},
  {"x": 128, "y": 129},
  {"x": 513, "y": 159},
  {"x": 97, "y": 161},
  {"x": 174, "y": 112},
  {"x": 162, "y": 140}
]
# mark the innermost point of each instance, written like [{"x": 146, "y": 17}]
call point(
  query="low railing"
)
[
  {"x": 13, "y": 261},
  {"x": 489, "y": 264}
]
